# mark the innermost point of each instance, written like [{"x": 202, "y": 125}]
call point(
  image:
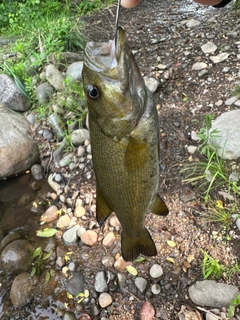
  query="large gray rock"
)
[
  {"x": 226, "y": 140},
  {"x": 18, "y": 152},
  {"x": 44, "y": 92},
  {"x": 55, "y": 77},
  {"x": 22, "y": 289},
  {"x": 74, "y": 71},
  {"x": 15, "y": 257},
  {"x": 210, "y": 293},
  {"x": 11, "y": 96}
]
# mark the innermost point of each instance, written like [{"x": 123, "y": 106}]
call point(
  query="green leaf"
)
[
  {"x": 46, "y": 233},
  {"x": 37, "y": 252},
  {"x": 140, "y": 259},
  {"x": 231, "y": 311},
  {"x": 133, "y": 271},
  {"x": 33, "y": 271},
  {"x": 86, "y": 293},
  {"x": 46, "y": 255},
  {"x": 80, "y": 294},
  {"x": 48, "y": 276}
]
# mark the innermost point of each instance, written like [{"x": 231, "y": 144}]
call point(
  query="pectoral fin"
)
[
  {"x": 103, "y": 210},
  {"x": 159, "y": 207},
  {"x": 136, "y": 154}
]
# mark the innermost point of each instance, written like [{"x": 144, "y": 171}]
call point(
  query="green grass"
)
[{"x": 210, "y": 172}]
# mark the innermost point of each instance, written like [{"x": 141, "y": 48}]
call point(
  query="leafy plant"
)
[
  {"x": 233, "y": 304},
  {"x": 38, "y": 263},
  {"x": 79, "y": 296},
  {"x": 219, "y": 213},
  {"x": 211, "y": 267}
]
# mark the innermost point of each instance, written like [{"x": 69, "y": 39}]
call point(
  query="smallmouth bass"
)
[{"x": 124, "y": 132}]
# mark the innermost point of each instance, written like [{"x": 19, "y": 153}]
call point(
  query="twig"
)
[
  {"x": 209, "y": 312},
  {"x": 132, "y": 295}
]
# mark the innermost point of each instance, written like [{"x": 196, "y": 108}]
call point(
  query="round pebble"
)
[
  {"x": 89, "y": 238},
  {"x": 49, "y": 215},
  {"x": 156, "y": 289},
  {"x": 108, "y": 261},
  {"x": 109, "y": 239},
  {"x": 63, "y": 222},
  {"x": 156, "y": 271},
  {"x": 105, "y": 300},
  {"x": 79, "y": 211}
]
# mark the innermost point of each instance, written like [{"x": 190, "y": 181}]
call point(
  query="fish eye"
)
[{"x": 93, "y": 92}]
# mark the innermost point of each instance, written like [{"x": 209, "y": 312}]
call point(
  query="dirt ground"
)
[{"x": 157, "y": 33}]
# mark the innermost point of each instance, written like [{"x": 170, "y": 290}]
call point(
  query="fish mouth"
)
[{"x": 104, "y": 56}]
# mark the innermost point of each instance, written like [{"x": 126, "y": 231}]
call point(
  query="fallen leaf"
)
[
  {"x": 171, "y": 244},
  {"x": 170, "y": 260},
  {"x": 133, "y": 271}
]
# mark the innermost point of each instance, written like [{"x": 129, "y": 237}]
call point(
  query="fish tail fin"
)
[{"x": 133, "y": 246}]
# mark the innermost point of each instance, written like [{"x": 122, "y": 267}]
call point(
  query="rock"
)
[
  {"x": 55, "y": 77},
  {"x": 79, "y": 211},
  {"x": 63, "y": 222},
  {"x": 105, "y": 300},
  {"x": 108, "y": 261},
  {"x": 74, "y": 71},
  {"x": 156, "y": 271},
  {"x": 79, "y": 136},
  {"x": 199, "y": 66},
  {"x": 220, "y": 57},
  {"x": 147, "y": 311},
  {"x": 192, "y": 149},
  {"x": 60, "y": 262},
  {"x": 100, "y": 282},
  {"x": 89, "y": 238},
  {"x": 80, "y": 151},
  {"x": 209, "y": 293},
  {"x": 70, "y": 236},
  {"x": 151, "y": 83},
  {"x": 231, "y": 101},
  {"x": 108, "y": 240},
  {"x": 121, "y": 279},
  {"x": 53, "y": 184},
  {"x": 47, "y": 134},
  {"x": 11, "y": 96},
  {"x": 15, "y": 257},
  {"x": 72, "y": 267},
  {"x": 49, "y": 215},
  {"x": 234, "y": 177},
  {"x": 69, "y": 316},
  {"x": 156, "y": 289},
  {"x": 193, "y": 23},
  {"x": 9, "y": 238},
  {"x": 76, "y": 284},
  {"x": 85, "y": 316},
  {"x": 141, "y": 284},
  {"x": 22, "y": 289},
  {"x": 37, "y": 172},
  {"x": 226, "y": 140},
  {"x": 66, "y": 160},
  {"x": 209, "y": 47},
  {"x": 44, "y": 92},
  {"x": 114, "y": 222},
  {"x": 18, "y": 151}
]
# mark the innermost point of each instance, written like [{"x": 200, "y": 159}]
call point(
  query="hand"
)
[{"x": 129, "y": 3}]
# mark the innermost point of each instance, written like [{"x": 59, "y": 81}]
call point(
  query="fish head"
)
[{"x": 114, "y": 87}]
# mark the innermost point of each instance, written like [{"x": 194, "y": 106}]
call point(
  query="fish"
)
[{"x": 124, "y": 134}]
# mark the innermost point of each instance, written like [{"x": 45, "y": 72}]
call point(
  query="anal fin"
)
[
  {"x": 159, "y": 207},
  {"x": 103, "y": 210}
]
